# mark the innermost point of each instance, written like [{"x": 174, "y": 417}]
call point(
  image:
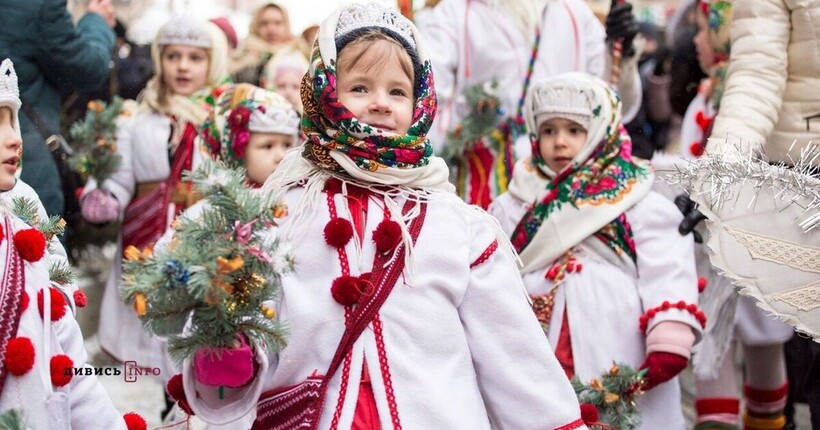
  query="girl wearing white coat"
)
[
  {"x": 610, "y": 277},
  {"x": 156, "y": 143}
]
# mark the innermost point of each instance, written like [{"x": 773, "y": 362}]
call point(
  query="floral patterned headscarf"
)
[
  {"x": 330, "y": 126},
  {"x": 590, "y": 196},
  {"x": 240, "y": 110}
]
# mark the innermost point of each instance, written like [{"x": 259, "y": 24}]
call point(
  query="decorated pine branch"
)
[
  {"x": 484, "y": 116},
  {"x": 220, "y": 272},
  {"x": 26, "y": 209},
  {"x": 613, "y": 395},
  {"x": 94, "y": 140}
]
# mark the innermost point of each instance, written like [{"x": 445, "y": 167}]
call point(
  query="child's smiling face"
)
[{"x": 377, "y": 89}]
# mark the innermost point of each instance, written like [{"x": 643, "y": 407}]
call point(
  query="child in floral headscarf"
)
[
  {"x": 405, "y": 308},
  {"x": 251, "y": 127},
  {"x": 610, "y": 278}
]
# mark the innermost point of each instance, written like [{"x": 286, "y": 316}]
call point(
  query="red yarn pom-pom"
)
[
  {"x": 345, "y": 290},
  {"x": 338, "y": 232},
  {"x": 589, "y": 413},
  {"x": 58, "y": 303},
  {"x": 177, "y": 392},
  {"x": 387, "y": 235},
  {"x": 133, "y": 421},
  {"x": 31, "y": 244},
  {"x": 24, "y": 299},
  {"x": 19, "y": 356},
  {"x": 701, "y": 284},
  {"x": 62, "y": 369},
  {"x": 80, "y": 299},
  {"x": 696, "y": 149}
]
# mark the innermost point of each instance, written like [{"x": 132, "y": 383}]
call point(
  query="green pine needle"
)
[
  {"x": 12, "y": 419},
  {"x": 61, "y": 273}
]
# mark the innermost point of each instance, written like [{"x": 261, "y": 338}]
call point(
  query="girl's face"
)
[
  {"x": 559, "y": 141},
  {"x": 184, "y": 68},
  {"x": 272, "y": 26},
  {"x": 379, "y": 96},
  {"x": 287, "y": 83},
  {"x": 703, "y": 46},
  {"x": 10, "y": 144},
  {"x": 263, "y": 154}
]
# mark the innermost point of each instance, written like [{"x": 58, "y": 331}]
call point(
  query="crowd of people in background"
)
[{"x": 528, "y": 131}]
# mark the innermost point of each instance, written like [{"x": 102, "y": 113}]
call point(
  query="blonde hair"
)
[
  {"x": 363, "y": 51},
  {"x": 257, "y": 17},
  {"x": 158, "y": 97}
]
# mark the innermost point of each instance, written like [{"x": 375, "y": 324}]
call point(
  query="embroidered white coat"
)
[
  {"x": 460, "y": 344},
  {"x": 143, "y": 143},
  {"x": 487, "y": 45},
  {"x": 605, "y": 300},
  {"x": 81, "y": 404}
]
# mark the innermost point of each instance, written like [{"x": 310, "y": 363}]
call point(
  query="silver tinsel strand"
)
[{"x": 718, "y": 178}]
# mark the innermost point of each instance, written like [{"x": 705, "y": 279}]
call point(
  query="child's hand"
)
[
  {"x": 99, "y": 207},
  {"x": 230, "y": 367},
  {"x": 661, "y": 367}
]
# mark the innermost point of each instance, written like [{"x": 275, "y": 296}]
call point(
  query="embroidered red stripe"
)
[
  {"x": 572, "y": 426},
  {"x": 385, "y": 369},
  {"x": 485, "y": 255},
  {"x": 337, "y": 414}
]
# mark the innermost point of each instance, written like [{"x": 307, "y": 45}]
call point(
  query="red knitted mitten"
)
[{"x": 661, "y": 367}]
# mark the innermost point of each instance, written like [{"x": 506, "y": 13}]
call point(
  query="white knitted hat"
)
[
  {"x": 183, "y": 30},
  {"x": 564, "y": 100},
  {"x": 10, "y": 92}
]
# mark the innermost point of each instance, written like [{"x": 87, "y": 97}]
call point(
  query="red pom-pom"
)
[
  {"x": 681, "y": 305},
  {"x": 19, "y": 356},
  {"x": 80, "y": 299},
  {"x": 177, "y": 392},
  {"x": 665, "y": 306},
  {"x": 338, "y": 232},
  {"x": 387, "y": 235},
  {"x": 345, "y": 290},
  {"x": 701, "y": 284},
  {"x": 133, "y": 421},
  {"x": 24, "y": 299},
  {"x": 651, "y": 313},
  {"x": 58, "y": 303},
  {"x": 589, "y": 413},
  {"x": 333, "y": 186},
  {"x": 62, "y": 369},
  {"x": 30, "y": 243},
  {"x": 552, "y": 273},
  {"x": 692, "y": 308},
  {"x": 696, "y": 149}
]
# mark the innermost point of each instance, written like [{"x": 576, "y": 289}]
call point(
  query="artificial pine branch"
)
[
  {"x": 61, "y": 273},
  {"x": 94, "y": 139},
  {"x": 614, "y": 394},
  {"x": 485, "y": 115},
  {"x": 214, "y": 277}
]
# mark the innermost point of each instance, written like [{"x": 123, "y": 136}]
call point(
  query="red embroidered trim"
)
[
  {"x": 342, "y": 389},
  {"x": 572, "y": 426},
  {"x": 681, "y": 305},
  {"x": 331, "y": 205},
  {"x": 485, "y": 255},
  {"x": 385, "y": 369},
  {"x": 13, "y": 282}
]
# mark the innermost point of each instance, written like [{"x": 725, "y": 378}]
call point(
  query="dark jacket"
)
[{"x": 51, "y": 57}]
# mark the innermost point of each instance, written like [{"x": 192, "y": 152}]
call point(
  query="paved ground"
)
[{"x": 145, "y": 396}]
